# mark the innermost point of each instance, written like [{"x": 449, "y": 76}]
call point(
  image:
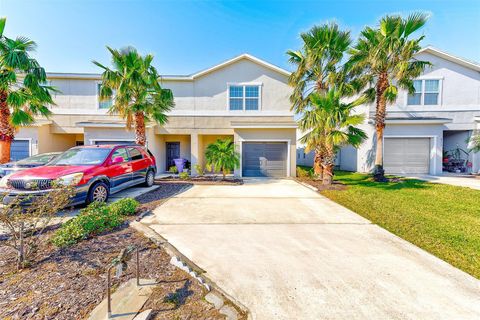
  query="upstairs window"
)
[
  {"x": 105, "y": 104},
  {"x": 427, "y": 92},
  {"x": 244, "y": 97}
]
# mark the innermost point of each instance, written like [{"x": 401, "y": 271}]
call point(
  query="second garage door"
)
[
  {"x": 406, "y": 155},
  {"x": 264, "y": 159}
]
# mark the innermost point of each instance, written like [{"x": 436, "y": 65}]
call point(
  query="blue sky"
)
[{"x": 187, "y": 36}]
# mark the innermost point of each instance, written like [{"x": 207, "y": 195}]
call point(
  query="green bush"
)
[
  {"x": 124, "y": 207},
  {"x": 94, "y": 219},
  {"x": 184, "y": 175},
  {"x": 303, "y": 173},
  {"x": 173, "y": 169}
]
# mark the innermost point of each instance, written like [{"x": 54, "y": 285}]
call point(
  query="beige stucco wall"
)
[
  {"x": 204, "y": 141},
  {"x": 208, "y": 93},
  {"x": 287, "y": 135}
]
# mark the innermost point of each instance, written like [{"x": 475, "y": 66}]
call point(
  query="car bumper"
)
[{"x": 8, "y": 195}]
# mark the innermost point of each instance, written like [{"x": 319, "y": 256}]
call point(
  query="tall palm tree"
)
[
  {"x": 134, "y": 84},
  {"x": 222, "y": 156},
  {"x": 329, "y": 122},
  {"x": 385, "y": 58},
  {"x": 23, "y": 90},
  {"x": 317, "y": 65}
]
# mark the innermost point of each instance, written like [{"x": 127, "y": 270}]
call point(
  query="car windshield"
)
[
  {"x": 39, "y": 158},
  {"x": 81, "y": 157}
]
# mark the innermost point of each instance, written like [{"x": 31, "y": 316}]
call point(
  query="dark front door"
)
[{"x": 173, "y": 152}]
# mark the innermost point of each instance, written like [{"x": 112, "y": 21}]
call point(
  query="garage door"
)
[
  {"x": 113, "y": 142},
  {"x": 264, "y": 159},
  {"x": 20, "y": 149},
  {"x": 406, "y": 155}
]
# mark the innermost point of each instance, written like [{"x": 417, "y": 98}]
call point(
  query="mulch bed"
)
[
  {"x": 208, "y": 180},
  {"x": 69, "y": 283},
  {"x": 318, "y": 184}
]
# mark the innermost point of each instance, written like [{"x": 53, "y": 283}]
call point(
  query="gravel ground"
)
[{"x": 153, "y": 199}]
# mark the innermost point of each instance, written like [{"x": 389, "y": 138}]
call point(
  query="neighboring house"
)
[
  {"x": 245, "y": 99},
  {"x": 440, "y": 117}
]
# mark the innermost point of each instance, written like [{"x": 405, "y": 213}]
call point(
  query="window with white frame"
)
[
  {"x": 243, "y": 97},
  {"x": 427, "y": 92},
  {"x": 103, "y": 104}
]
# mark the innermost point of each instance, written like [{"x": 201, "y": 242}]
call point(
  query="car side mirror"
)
[{"x": 117, "y": 160}]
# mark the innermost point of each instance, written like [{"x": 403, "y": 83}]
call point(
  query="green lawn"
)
[{"x": 441, "y": 219}]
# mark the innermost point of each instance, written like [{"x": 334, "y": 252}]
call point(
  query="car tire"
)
[
  {"x": 98, "y": 192},
  {"x": 149, "y": 178}
]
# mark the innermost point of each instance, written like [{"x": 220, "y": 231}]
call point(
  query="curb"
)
[
  {"x": 306, "y": 185},
  {"x": 182, "y": 262}
]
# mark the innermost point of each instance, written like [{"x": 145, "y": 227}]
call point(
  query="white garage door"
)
[
  {"x": 19, "y": 149},
  {"x": 406, "y": 155}
]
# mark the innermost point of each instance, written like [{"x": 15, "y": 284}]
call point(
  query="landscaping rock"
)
[
  {"x": 214, "y": 299},
  {"x": 229, "y": 312}
]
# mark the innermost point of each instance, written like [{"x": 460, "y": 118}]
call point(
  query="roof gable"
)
[
  {"x": 444, "y": 55},
  {"x": 224, "y": 64}
]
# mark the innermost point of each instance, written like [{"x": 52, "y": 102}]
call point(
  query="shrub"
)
[
  {"x": 184, "y": 175},
  {"x": 94, "y": 219},
  {"x": 124, "y": 207},
  {"x": 173, "y": 169},
  {"x": 199, "y": 169},
  {"x": 303, "y": 173}
]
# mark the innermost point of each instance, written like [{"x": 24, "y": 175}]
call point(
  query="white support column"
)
[{"x": 194, "y": 152}]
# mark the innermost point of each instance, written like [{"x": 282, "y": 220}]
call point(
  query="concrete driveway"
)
[{"x": 285, "y": 252}]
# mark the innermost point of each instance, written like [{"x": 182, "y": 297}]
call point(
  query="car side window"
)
[
  {"x": 120, "y": 152},
  {"x": 135, "y": 154}
]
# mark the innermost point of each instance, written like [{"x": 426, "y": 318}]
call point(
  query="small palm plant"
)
[
  {"x": 24, "y": 92},
  {"x": 222, "y": 156},
  {"x": 134, "y": 83}
]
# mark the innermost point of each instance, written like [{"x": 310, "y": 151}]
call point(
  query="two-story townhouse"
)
[
  {"x": 245, "y": 99},
  {"x": 421, "y": 129}
]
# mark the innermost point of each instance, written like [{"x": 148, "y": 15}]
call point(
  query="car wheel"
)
[
  {"x": 150, "y": 178},
  {"x": 98, "y": 193}
]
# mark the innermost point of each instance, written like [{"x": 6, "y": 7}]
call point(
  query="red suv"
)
[{"x": 95, "y": 171}]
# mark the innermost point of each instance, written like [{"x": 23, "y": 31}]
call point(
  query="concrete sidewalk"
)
[
  {"x": 285, "y": 252},
  {"x": 460, "y": 181}
]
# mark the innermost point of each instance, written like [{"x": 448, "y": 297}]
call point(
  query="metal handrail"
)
[{"x": 115, "y": 263}]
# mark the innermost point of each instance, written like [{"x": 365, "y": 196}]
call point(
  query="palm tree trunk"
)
[
  {"x": 140, "y": 136},
  {"x": 381, "y": 110},
  {"x": 7, "y": 132},
  {"x": 317, "y": 165},
  {"x": 328, "y": 165}
]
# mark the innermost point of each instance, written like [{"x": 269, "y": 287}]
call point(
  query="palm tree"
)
[
  {"x": 222, "y": 156},
  {"x": 317, "y": 65},
  {"x": 134, "y": 85},
  {"x": 329, "y": 122},
  {"x": 385, "y": 58},
  {"x": 23, "y": 90}
]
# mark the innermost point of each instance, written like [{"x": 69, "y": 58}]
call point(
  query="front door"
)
[{"x": 173, "y": 152}]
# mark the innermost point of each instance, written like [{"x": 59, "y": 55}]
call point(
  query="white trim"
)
[
  {"x": 288, "y": 141},
  {"x": 265, "y": 126},
  {"x": 228, "y": 113},
  {"x": 422, "y": 93},
  {"x": 419, "y": 121},
  {"x": 30, "y": 146},
  {"x": 447, "y": 56},
  {"x": 243, "y": 85},
  {"x": 432, "y": 166}
]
